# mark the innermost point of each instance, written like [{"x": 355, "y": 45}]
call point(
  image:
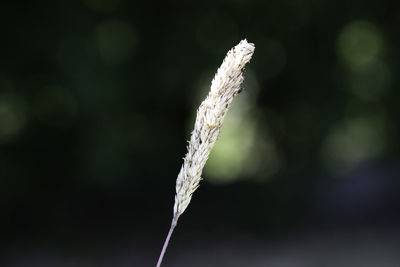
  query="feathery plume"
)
[{"x": 210, "y": 116}]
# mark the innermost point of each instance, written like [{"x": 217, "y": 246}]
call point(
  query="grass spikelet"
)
[{"x": 210, "y": 116}]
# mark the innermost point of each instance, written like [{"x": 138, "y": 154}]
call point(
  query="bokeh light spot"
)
[
  {"x": 372, "y": 82},
  {"x": 116, "y": 40},
  {"x": 227, "y": 159},
  {"x": 355, "y": 140},
  {"x": 359, "y": 44},
  {"x": 244, "y": 150},
  {"x": 12, "y": 116}
]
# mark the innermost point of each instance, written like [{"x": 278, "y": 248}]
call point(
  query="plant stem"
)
[{"x": 171, "y": 230}]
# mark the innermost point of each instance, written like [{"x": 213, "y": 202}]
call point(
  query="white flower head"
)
[{"x": 210, "y": 116}]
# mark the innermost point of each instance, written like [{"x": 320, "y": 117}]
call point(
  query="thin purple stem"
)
[{"x": 171, "y": 230}]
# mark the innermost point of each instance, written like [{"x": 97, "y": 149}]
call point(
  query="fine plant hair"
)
[{"x": 210, "y": 115}]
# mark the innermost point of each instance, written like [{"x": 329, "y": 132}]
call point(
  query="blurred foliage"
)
[{"x": 97, "y": 99}]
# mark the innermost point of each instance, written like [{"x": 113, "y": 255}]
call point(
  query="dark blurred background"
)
[{"x": 98, "y": 98}]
